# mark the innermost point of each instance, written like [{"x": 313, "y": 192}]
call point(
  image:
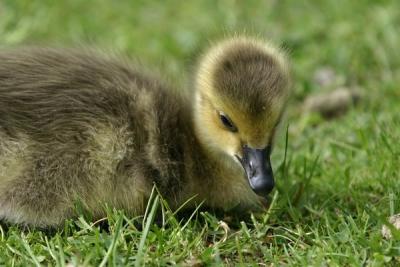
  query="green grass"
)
[{"x": 340, "y": 180}]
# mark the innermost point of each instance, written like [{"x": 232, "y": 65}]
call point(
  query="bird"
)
[{"x": 79, "y": 127}]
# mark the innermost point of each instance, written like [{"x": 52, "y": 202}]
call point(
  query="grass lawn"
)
[{"x": 340, "y": 179}]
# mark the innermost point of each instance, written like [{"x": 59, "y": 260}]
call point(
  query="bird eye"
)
[{"x": 226, "y": 121}]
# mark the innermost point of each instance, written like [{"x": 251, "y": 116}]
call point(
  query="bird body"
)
[{"x": 79, "y": 127}]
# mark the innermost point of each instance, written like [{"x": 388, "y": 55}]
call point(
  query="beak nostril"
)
[{"x": 252, "y": 169}]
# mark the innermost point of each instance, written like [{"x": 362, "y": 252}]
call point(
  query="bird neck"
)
[
  {"x": 208, "y": 171},
  {"x": 207, "y": 174}
]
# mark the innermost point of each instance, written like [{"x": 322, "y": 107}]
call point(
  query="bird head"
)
[{"x": 242, "y": 87}]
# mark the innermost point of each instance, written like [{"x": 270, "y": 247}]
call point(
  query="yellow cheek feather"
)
[
  {"x": 254, "y": 132},
  {"x": 214, "y": 134}
]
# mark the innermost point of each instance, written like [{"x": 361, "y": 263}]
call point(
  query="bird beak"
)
[{"x": 257, "y": 165}]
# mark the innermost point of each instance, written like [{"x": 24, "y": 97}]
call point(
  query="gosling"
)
[{"x": 79, "y": 127}]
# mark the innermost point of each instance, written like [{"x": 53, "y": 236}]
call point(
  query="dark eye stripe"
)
[{"x": 227, "y": 122}]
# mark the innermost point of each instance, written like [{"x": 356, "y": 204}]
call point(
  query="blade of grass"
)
[
  {"x": 149, "y": 220},
  {"x": 191, "y": 216},
  {"x": 270, "y": 208},
  {"x": 111, "y": 248},
  {"x": 29, "y": 250}
]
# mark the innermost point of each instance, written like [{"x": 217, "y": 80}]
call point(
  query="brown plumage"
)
[{"x": 78, "y": 127}]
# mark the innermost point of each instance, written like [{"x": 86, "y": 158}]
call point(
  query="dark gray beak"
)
[{"x": 256, "y": 163}]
